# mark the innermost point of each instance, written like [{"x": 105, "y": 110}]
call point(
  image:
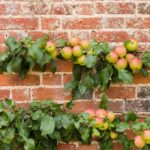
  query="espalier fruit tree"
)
[{"x": 45, "y": 123}]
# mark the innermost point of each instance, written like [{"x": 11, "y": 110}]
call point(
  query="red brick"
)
[
  {"x": 88, "y": 147},
  {"x": 130, "y": 134},
  {"x": 139, "y": 79},
  {"x": 4, "y": 94},
  {"x": 66, "y": 147},
  {"x": 64, "y": 66},
  {"x": 35, "y": 35},
  {"x": 2, "y": 48},
  {"x": 14, "y": 80},
  {"x": 120, "y": 8},
  {"x": 51, "y": 93},
  {"x": 67, "y": 78},
  {"x": 18, "y": 23},
  {"x": 50, "y": 23},
  {"x": 2, "y": 38},
  {"x": 3, "y": 9},
  {"x": 58, "y": 35},
  {"x": 110, "y": 36},
  {"x": 100, "y": 8},
  {"x": 84, "y": 9},
  {"x": 117, "y": 146},
  {"x": 21, "y": 94},
  {"x": 61, "y": 9},
  {"x": 114, "y": 23},
  {"x": 82, "y": 23},
  {"x": 139, "y": 23},
  {"x": 116, "y": 106},
  {"x": 120, "y": 92},
  {"x": 142, "y": 36},
  {"x": 52, "y": 79},
  {"x": 23, "y": 105}
]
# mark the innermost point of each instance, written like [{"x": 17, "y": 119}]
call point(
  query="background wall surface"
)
[{"x": 111, "y": 21}]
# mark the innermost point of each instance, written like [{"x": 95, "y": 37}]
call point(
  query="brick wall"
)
[{"x": 113, "y": 21}]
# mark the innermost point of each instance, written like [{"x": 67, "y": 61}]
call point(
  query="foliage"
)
[{"x": 45, "y": 124}]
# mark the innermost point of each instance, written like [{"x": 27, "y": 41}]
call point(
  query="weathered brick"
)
[
  {"x": 139, "y": 79},
  {"x": 21, "y": 94},
  {"x": 119, "y": 92},
  {"x": 82, "y": 23},
  {"x": 51, "y": 93},
  {"x": 50, "y": 23},
  {"x": 143, "y": 92},
  {"x": 88, "y": 147},
  {"x": 144, "y": 8},
  {"x": 116, "y": 106},
  {"x": 138, "y": 105},
  {"x": 52, "y": 79},
  {"x": 66, "y": 147},
  {"x": 18, "y": 23},
  {"x": 64, "y": 66},
  {"x": 14, "y": 80},
  {"x": 4, "y": 94}
]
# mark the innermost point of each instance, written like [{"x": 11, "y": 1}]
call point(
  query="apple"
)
[
  {"x": 121, "y": 64},
  {"x": 54, "y": 54},
  {"x": 113, "y": 135},
  {"x": 139, "y": 142},
  {"x": 121, "y": 51},
  {"x": 74, "y": 41},
  {"x": 77, "y": 51},
  {"x": 95, "y": 134},
  {"x": 50, "y": 47},
  {"x": 91, "y": 112},
  {"x": 81, "y": 60},
  {"x": 146, "y": 136},
  {"x": 98, "y": 122},
  {"x": 131, "y": 44},
  {"x": 85, "y": 44},
  {"x": 104, "y": 126},
  {"x": 135, "y": 64},
  {"x": 101, "y": 113},
  {"x": 110, "y": 116},
  {"x": 112, "y": 57},
  {"x": 129, "y": 57},
  {"x": 66, "y": 52}
]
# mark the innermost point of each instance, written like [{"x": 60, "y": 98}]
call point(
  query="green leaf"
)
[
  {"x": 47, "y": 125},
  {"x": 61, "y": 42},
  {"x": 46, "y": 59},
  {"x": 11, "y": 43},
  {"x": 131, "y": 116},
  {"x": 90, "y": 61},
  {"x": 65, "y": 121},
  {"x": 41, "y": 42},
  {"x": 125, "y": 76},
  {"x": 122, "y": 126},
  {"x": 88, "y": 82},
  {"x": 29, "y": 144},
  {"x": 144, "y": 72},
  {"x": 70, "y": 85},
  {"x": 106, "y": 145},
  {"x": 36, "y": 115},
  {"x": 70, "y": 104},
  {"x": 146, "y": 59},
  {"x": 82, "y": 88},
  {"x": 9, "y": 135},
  {"x": 104, "y": 101},
  {"x": 53, "y": 66},
  {"x": 4, "y": 56},
  {"x": 105, "y": 48},
  {"x": 16, "y": 64},
  {"x": 85, "y": 134}
]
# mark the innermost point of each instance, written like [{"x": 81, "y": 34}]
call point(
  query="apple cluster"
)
[
  {"x": 101, "y": 119},
  {"x": 123, "y": 55},
  {"x": 141, "y": 140}
]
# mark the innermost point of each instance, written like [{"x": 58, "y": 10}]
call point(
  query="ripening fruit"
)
[
  {"x": 66, "y": 52},
  {"x": 121, "y": 51},
  {"x": 95, "y": 134},
  {"x": 74, "y": 41},
  {"x": 112, "y": 57},
  {"x": 110, "y": 116},
  {"x": 121, "y": 64},
  {"x": 50, "y": 47},
  {"x": 139, "y": 142},
  {"x": 131, "y": 44},
  {"x": 91, "y": 112},
  {"x": 54, "y": 54},
  {"x": 98, "y": 123},
  {"x": 101, "y": 113},
  {"x": 135, "y": 64},
  {"x": 85, "y": 44},
  {"x": 146, "y": 136},
  {"x": 81, "y": 60},
  {"x": 129, "y": 57},
  {"x": 113, "y": 135},
  {"x": 104, "y": 126},
  {"x": 77, "y": 51}
]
